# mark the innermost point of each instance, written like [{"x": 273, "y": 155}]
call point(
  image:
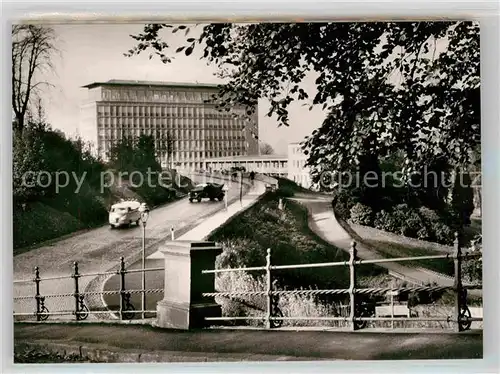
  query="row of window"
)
[
  {"x": 256, "y": 165},
  {"x": 159, "y": 95},
  {"x": 104, "y": 147},
  {"x": 175, "y": 135},
  {"x": 299, "y": 164},
  {"x": 163, "y": 111},
  {"x": 189, "y": 144},
  {"x": 180, "y": 123},
  {"x": 169, "y": 115},
  {"x": 303, "y": 180},
  {"x": 188, "y": 165}
]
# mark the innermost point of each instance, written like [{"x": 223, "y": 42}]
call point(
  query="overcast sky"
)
[{"x": 94, "y": 52}]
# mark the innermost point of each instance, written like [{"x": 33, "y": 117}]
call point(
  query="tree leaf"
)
[{"x": 189, "y": 50}]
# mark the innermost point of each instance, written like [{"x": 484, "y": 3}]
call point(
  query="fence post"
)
[
  {"x": 392, "y": 308},
  {"x": 77, "y": 292},
  {"x": 457, "y": 257},
  {"x": 37, "y": 293},
  {"x": 269, "y": 295},
  {"x": 122, "y": 286},
  {"x": 352, "y": 286}
]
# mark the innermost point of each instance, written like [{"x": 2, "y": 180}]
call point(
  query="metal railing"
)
[
  {"x": 359, "y": 313},
  {"x": 81, "y": 310}
]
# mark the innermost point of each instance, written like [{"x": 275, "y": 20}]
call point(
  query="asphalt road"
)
[{"x": 100, "y": 249}]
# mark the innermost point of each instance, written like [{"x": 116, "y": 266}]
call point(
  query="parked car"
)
[
  {"x": 211, "y": 191},
  {"x": 125, "y": 213}
]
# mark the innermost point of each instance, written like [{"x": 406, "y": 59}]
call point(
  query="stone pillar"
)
[{"x": 183, "y": 306}]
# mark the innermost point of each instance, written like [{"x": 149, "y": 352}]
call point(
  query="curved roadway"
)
[
  {"x": 100, "y": 249},
  {"x": 322, "y": 221}
]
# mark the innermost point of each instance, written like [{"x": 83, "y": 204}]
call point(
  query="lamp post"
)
[
  {"x": 226, "y": 190},
  {"x": 241, "y": 187},
  {"x": 144, "y": 219}
]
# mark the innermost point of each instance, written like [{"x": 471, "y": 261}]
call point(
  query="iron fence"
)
[
  {"x": 359, "y": 312},
  {"x": 80, "y": 309}
]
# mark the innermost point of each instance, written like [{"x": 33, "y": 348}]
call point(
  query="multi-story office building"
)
[{"x": 176, "y": 111}]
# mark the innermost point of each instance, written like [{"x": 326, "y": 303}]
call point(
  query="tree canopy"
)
[
  {"x": 409, "y": 87},
  {"x": 266, "y": 149},
  {"x": 131, "y": 154},
  {"x": 39, "y": 153}
]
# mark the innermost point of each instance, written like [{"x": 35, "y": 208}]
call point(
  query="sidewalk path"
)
[
  {"x": 136, "y": 343},
  {"x": 205, "y": 228},
  {"x": 323, "y": 223}
]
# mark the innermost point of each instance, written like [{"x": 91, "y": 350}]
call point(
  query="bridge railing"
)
[
  {"x": 359, "y": 314},
  {"x": 77, "y": 302}
]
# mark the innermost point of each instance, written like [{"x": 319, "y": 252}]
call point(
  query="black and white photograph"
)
[{"x": 246, "y": 192}]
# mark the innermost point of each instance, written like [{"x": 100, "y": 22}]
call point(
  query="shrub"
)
[
  {"x": 286, "y": 191},
  {"x": 463, "y": 197},
  {"x": 362, "y": 215},
  {"x": 443, "y": 233},
  {"x": 424, "y": 297},
  {"x": 240, "y": 253},
  {"x": 472, "y": 269},
  {"x": 309, "y": 306},
  {"x": 386, "y": 221},
  {"x": 403, "y": 220},
  {"x": 424, "y": 234},
  {"x": 412, "y": 224},
  {"x": 437, "y": 226},
  {"x": 342, "y": 210},
  {"x": 428, "y": 215},
  {"x": 344, "y": 201}
]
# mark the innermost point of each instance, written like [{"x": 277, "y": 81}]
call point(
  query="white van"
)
[{"x": 125, "y": 213}]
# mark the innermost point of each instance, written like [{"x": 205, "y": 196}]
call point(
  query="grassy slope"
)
[
  {"x": 291, "y": 240},
  {"x": 393, "y": 250},
  {"x": 245, "y": 240},
  {"x": 41, "y": 222}
]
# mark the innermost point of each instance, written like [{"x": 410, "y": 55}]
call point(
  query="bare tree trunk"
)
[{"x": 33, "y": 48}]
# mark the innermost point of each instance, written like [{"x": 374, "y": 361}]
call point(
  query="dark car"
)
[{"x": 211, "y": 191}]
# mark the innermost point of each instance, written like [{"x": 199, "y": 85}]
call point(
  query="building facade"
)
[
  {"x": 264, "y": 164},
  {"x": 173, "y": 113},
  {"x": 297, "y": 170},
  {"x": 291, "y": 166}
]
